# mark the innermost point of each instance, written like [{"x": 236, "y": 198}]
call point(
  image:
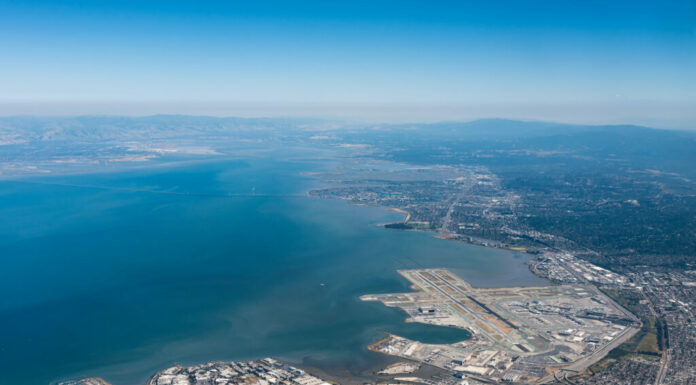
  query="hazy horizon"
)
[
  {"x": 614, "y": 62},
  {"x": 680, "y": 118}
]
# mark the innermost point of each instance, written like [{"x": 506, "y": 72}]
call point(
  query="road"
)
[
  {"x": 664, "y": 363},
  {"x": 447, "y": 219}
]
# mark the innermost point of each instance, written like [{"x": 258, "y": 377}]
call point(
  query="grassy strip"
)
[{"x": 644, "y": 343}]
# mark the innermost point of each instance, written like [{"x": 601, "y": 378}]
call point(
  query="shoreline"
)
[
  {"x": 345, "y": 375},
  {"x": 458, "y": 237},
  {"x": 400, "y": 211}
]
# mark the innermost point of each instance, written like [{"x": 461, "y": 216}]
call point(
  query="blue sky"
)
[{"x": 583, "y": 61}]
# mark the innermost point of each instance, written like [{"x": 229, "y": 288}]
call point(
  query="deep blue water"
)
[{"x": 121, "y": 274}]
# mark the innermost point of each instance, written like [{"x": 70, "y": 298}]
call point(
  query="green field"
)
[{"x": 644, "y": 343}]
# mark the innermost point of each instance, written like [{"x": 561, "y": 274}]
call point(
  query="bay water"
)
[{"x": 121, "y": 274}]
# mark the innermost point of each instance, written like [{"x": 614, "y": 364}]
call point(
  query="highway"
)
[{"x": 664, "y": 363}]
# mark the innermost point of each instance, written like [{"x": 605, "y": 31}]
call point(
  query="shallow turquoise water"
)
[{"x": 121, "y": 274}]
